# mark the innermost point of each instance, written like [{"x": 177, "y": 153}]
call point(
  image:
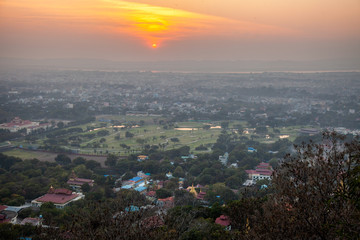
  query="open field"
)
[
  {"x": 48, "y": 156},
  {"x": 189, "y": 134},
  {"x": 102, "y": 137}
]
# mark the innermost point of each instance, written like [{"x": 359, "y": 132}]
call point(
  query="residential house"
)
[
  {"x": 31, "y": 221},
  {"x": 142, "y": 158},
  {"x": 7, "y": 216},
  {"x": 166, "y": 202},
  {"x": 251, "y": 149}
]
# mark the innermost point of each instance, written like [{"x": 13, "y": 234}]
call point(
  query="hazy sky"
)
[{"x": 181, "y": 29}]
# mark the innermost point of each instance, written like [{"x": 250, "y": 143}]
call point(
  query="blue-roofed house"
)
[
  {"x": 132, "y": 208},
  {"x": 250, "y": 149},
  {"x": 139, "y": 184},
  {"x": 134, "y": 182},
  {"x": 141, "y": 189},
  {"x": 136, "y": 179}
]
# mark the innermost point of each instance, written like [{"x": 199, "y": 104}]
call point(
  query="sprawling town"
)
[{"x": 171, "y": 155}]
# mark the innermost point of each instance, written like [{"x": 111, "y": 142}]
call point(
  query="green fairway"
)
[
  {"x": 154, "y": 135},
  {"x": 132, "y": 134}
]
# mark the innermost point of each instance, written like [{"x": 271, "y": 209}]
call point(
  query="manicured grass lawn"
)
[
  {"x": 155, "y": 135},
  {"x": 152, "y": 133}
]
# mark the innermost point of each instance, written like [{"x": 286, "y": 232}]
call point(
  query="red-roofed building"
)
[
  {"x": 17, "y": 124},
  {"x": 59, "y": 197},
  {"x": 166, "y": 202},
  {"x": 76, "y": 183},
  {"x": 151, "y": 194},
  {"x": 142, "y": 158},
  {"x": 201, "y": 195},
  {"x": 262, "y": 171},
  {"x": 224, "y": 220}
]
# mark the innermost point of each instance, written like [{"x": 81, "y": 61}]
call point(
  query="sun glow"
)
[
  {"x": 154, "y": 25},
  {"x": 159, "y": 24}
]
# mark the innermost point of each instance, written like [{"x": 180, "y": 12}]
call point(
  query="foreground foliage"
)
[{"x": 314, "y": 194}]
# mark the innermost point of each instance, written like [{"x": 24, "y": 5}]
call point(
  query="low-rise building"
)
[
  {"x": 251, "y": 149},
  {"x": 17, "y": 124},
  {"x": 141, "y": 158},
  {"x": 59, "y": 197},
  {"x": 141, "y": 189},
  {"x": 7, "y": 216},
  {"x": 166, "y": 202},
  {"x": 201, "y": 195},
  {"x": 262, "y": 171},
  {"x": 31, "y": 221},
  {"x": 224, "y": 221},
  {"x": 75, "y": 183}
]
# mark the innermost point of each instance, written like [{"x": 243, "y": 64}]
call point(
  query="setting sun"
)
[
  {"x": 158, "y": 24},
  {"x": 183, "y": 29}
]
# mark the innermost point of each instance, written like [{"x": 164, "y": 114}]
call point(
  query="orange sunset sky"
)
[{"x": 180, "y": 29}]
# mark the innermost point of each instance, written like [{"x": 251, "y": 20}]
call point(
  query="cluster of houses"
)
[
  {"x": 60, "y": 197},
  {"x": 7, "y": 216},
  {"x": 10, "y": 215},
  {"x": 141, "y": 183},
  {"x": 138, "y": 183}
]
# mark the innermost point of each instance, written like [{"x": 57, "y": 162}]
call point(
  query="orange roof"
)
[{"x": 171, "y": 199}]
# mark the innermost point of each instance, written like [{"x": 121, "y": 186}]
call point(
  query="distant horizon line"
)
[
  {"x": 180, "y": 60},
  {"x": 185, "y": 66}
]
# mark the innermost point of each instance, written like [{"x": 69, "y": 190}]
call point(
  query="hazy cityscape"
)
[{"x": 179, "y": 120}]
